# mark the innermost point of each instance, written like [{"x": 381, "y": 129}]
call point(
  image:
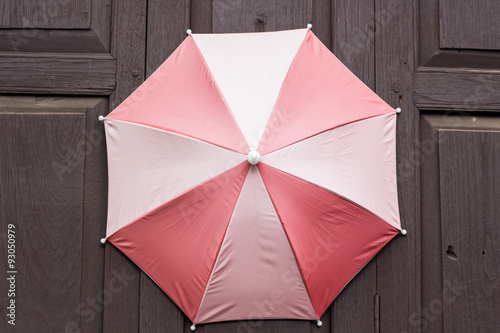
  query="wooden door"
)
[
  {"x": 456, "y": 87},
  {"x": 64, "y": 63}
]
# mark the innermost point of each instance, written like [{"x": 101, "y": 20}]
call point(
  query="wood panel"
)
[
  {"x": 457, "y": 89},
  {"x": 398, "y": 274},
  {"x": 62, "y": 14},
  {"x": 57, "y": 73},
  {"x": 122, "y": 314},
  {"x": 469, "y": 24},
  {"x": 459, "y": 267},
  {"x": 94, "y": 37},
  {"x": 432, "y": 53},
  {"x": 44, "y": 151},
  {"x": 470, "y": 197}
]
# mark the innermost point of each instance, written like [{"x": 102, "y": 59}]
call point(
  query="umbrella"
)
[{"x": 252, "y": 176}]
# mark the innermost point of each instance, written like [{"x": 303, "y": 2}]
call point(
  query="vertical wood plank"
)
[
  {"x": 201, "y": 16},
  {"x": 322, "y": 21},
  {"x": 94, "y": 220},
  {"x": 431, "y": 268},
  {"x": 128, "y": 47},
  {"x": 428, "y": 30},
  {"x": 167, "y": 25},
  {"x": 41, "y": 177},
  {"x": 398, "y": 273},
  {"x": 354, "y": 40},
  {"x": 262, "y": 15},
  {"x": 354, "y": 37}
]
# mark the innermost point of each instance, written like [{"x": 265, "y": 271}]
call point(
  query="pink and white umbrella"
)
[{"x": 252, "y": 176}]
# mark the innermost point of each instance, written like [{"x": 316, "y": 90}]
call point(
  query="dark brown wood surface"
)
[
  {"x": 51, "y": 14},
  {"x": 459, "y": 271},
  {"x": 469, "y": 24},
  {"x": 439, "y": 61}
]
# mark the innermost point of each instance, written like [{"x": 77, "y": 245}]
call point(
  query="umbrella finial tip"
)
[
  {"x": 193, "y": 327},
  {"x": 309, "y": 25},
  {"x": 189, "y": 32},
  {"x": 101, "y": 118},
  {"x": 319, "y": 323},
  {"x": 253, "y": 157},
  {"x": 103, "y": 240},
  {"x": 398, "y": 110},
  {"x": 403, "y": 232}
]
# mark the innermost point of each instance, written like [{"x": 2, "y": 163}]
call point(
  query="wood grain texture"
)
[
  {"x": 431, "y": 267},
  {"x": 201, "y": 15},
  {"x": 62, "y": 14},
  {"x": 469, "y": 24},
  {"x": 128, "y": 47},
  {"x": 428, "y": 30},
  {"x": 94, "y": 218},
  {"x": 83, "y": 153},
  {"x": 167, "y": 22},
  {"x": 263, "y": 15},
  {"x": 470, "y": 201},
  {"x": 41, "y": 193},
  {"x": 457, "y": 89},
  {"x": 354, "y": 37},
  {"x": 57, "y": 73},
  {"x": 468, "y": 226},
  {"x": 398, "y": 273},
  {"x": 322, "y": 14},
  {"x": 433, "y": 54},
  {"x": 459, "y": 206}
]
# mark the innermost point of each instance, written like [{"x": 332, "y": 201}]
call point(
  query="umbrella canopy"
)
[{"x": 252, "y": 176}]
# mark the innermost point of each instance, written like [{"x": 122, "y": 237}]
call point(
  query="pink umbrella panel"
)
[{"x": 252, "y": 176}]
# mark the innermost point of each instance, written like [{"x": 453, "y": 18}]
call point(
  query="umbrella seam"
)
[
  {"x": 212, "y": 77},
  {"x": 281, "y": 89},
  {"x": 328, "y": 129}
]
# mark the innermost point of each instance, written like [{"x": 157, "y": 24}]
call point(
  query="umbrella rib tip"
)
[
  {"x": 103, "y": 240},
  {"x": 309, "y": 25},
  {"x": 193, "y": 327},
  {"x": 319, "y": 323},
  {"x": 403, "y": 232},
  {"x": 189, "y": 31}
]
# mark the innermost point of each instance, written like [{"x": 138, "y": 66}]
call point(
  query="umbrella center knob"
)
[{"x": 253, "y": 157}]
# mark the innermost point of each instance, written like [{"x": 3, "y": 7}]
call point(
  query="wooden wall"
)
[{"x": 63, "y": 63}]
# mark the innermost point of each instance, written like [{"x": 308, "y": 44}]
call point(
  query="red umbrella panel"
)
[{"x": 252, "y": 176}]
